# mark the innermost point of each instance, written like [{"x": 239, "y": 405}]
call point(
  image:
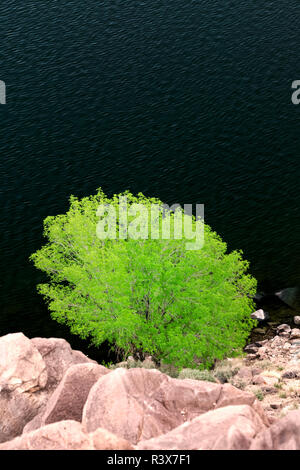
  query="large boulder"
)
[
  {"x": 284, "y": 434},
  {"x": 66, "y": 435},
  {"x": 16, "y": 410},
  {"x": 228, "y": 428},
  {"x": 231, "y": 395},
  {"x": 138, "y": 404},
  {"x": 23, "y": 377},
  {"x": 58, "y": 356},
  {"x": 105, "y": 440},
  {"x": 22, "y": 367},
  {"x": 68, "y": 399},
  {"x": 30, "y": 371}
]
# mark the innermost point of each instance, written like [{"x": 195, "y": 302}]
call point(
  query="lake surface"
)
[{"x": 189, "y": 101}]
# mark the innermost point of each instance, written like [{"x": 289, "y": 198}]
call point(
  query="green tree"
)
[{"x": 185, "y": 307}]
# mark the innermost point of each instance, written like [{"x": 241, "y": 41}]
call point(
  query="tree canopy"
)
[{"x": 145, "y": 296}]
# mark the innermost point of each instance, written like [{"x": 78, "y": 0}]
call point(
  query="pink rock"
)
[
  {"x": 58, "y": 356},
  {"x": 258, "y": 380},
  {"x": 295, "y": 333},
  {"x": 36, "y": 422},
  {"x": 68, "y": 399},
  {"x": 262, "y": 352},
  {"x": 283, "y": 330},
  {"x": 245, "y": 374},
  {"x": 229, "y": 428},
  {"x": 105, "y": 440},
  {"x": 284, "y": 434},
  {"x": 234, "y": 396},
  {"x": 65, "y": 435},
  {"x": 23, "y": 376},
  {"x": 21, "y": 365},
  {"x": 138, "y": 404},
  {"x": 257, "y": 407}
]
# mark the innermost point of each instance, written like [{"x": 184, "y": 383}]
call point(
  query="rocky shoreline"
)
[
  {"x": 274, "y": 309},
  {"x": 53, "y": 397}
]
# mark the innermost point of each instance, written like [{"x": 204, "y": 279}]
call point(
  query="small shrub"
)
[
  {"x": 170, "y": 370},
  {"x": 195, "y": 374},
  {"x": 265, "y": 364},
  {"x": 123, "y": 365},
  {"x": 148, "y": 365},
  {"x": 238, "y": 383},
  {"x": 225, "y": 372},
  {"x": 132, "y": 363},
  {"x": 259, "y": 395},
  {"x": 278, "y": 385}
]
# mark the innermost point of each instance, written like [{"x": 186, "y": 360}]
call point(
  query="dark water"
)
[{"x": 186, "y": 100}]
